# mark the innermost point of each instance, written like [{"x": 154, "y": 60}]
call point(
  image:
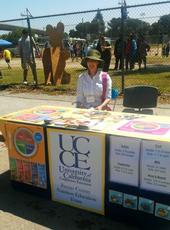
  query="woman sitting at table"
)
[{"x": 94, "y": 86}]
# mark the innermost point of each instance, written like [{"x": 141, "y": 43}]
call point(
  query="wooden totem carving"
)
[{"x": 55, "y": 56}]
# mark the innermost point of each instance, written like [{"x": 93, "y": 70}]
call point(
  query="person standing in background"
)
[
  {"x": 7, "y": 57},
  {"x": 142, "y": 49},
  {"x": 24, "y": 44},
  {"x": 133, "y": 50},
  {"x": 104, "y": 48},
  {"x": 118, "y": 49}
]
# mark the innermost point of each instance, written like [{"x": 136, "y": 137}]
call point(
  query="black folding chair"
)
[{"x": 140, "y": 99}]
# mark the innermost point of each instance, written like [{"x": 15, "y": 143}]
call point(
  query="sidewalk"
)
[{"x": 15, "y": 102}]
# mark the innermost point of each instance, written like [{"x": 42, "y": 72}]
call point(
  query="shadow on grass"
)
[
  {"x": 151, "y": 69},
  {"x": 40, "y": 88}
]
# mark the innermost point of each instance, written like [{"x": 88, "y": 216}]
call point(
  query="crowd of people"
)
[
  {"x": 133, "y": 50},
  {"x": 78, "y": 49}
]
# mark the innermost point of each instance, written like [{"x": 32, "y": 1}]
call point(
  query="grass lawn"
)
[{"x": 157, "y": 74}]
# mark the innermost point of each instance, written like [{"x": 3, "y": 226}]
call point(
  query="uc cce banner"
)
[{"x": 77, "y": 168}]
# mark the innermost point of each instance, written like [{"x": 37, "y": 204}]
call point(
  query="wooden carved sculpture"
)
[{"x": 55, "y": 56}]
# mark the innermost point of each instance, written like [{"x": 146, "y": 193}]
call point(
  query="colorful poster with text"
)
[
  {"x": 155, "y": 166},
  {"x": 77, "y": 168},
  {"x": 26, "y": 149},
  {"x": 124, "y": 160}
]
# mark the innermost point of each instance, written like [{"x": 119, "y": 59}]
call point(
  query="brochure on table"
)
[{"x": 121, "y": 124}]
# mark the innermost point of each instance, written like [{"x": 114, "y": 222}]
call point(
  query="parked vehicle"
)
[{"x": 94, "y": 44}]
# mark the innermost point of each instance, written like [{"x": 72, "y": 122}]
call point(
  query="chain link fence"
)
[{"x": 82, "y": 29}]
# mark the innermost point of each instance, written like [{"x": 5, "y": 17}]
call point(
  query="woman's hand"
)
[{"x": 100, "y": 107}]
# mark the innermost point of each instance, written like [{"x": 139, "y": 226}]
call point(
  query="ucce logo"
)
[{"x": 72, "y": 154}]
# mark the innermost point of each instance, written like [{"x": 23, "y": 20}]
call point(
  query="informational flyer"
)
[
  {"x": 27, "y": 154},
  {"x": 146, "y": 127},
  {"x": 77, "y": 168},
  {"x": 155, "y": 166},
  {"x": 124, "y": 160}
]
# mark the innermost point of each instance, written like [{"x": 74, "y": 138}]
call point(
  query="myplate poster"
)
[
  {"x": 124, "y": 160},
  {"x": 155, "y": 166},
  {"x": 77, "y": 168},
  {"x": 27, "y": 154}
]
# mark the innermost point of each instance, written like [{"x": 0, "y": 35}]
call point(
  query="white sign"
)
[
  {"x": 124, "y": 160},
  {"x": 77, "y": 168},
  {"x": 155, "y": 166}
]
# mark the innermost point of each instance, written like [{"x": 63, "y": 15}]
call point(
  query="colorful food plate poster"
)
[
  {"x": 153, "y": 129},
  {"x": 155, "y": 166},
  {"x": 27, "y": 154},
  {"x": 36, "y": 115},
  {"x": 124, "y": 160},
  {"x": 77, "y": 168}
]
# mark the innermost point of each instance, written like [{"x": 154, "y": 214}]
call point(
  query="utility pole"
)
[
  {"x": 29, "y": 15},
  {"x": 123, "y": 18}
]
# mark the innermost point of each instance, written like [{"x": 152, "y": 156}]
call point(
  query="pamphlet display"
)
[{"x": 64, "y": 151}]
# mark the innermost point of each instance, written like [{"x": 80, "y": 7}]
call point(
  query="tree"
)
[
  {"x": 12, "y": 36},
  {"x": 154, "y": 33},
  {"x": 114, "y": 27},
  {"x": 73, "y": 34},
  {"x": 94, "y": 28},
  {"x": 164, "y": 24},
  {"x": 131, "y": 25},
  {"x": 83, "y": 29},
  {"x": 97, "y": 24}
]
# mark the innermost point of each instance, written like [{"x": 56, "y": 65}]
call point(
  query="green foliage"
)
[
  {"x": 73, "y": 34},
  {"x": 94, "y": 28},
  {"x": 131, "y": 25},
  {"x": 12, "y": 36},
  {"x": 164, "y": 24},
  {"x": 97, "y": 26},
  {"x": 83, "y": 29},
  {"x": 98, "y": 23}
]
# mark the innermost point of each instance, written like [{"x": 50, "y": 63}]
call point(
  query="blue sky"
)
[{"x": 13, "y": 8}]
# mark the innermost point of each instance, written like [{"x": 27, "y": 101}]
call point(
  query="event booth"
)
[{"x": 100, "y": 161}]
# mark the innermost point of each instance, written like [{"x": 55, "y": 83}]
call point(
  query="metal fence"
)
[{"x": 152, "y": 20}]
